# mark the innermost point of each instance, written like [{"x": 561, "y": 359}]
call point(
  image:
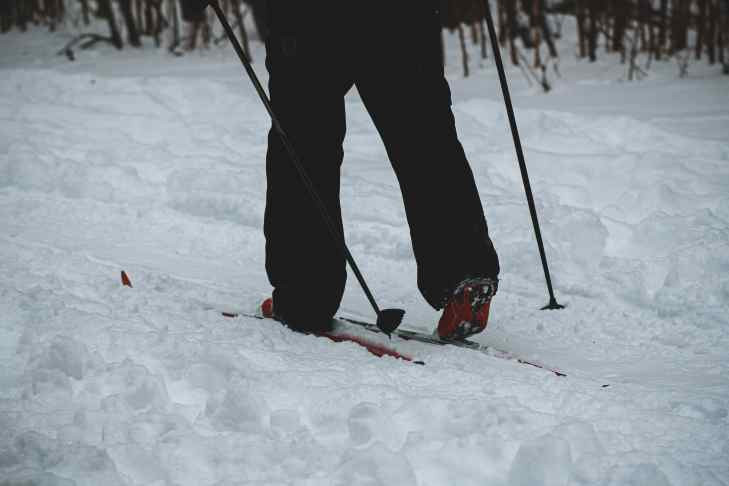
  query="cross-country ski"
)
[{"x": 351, "y": 330}]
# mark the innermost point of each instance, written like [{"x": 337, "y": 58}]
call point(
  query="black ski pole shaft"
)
[
  {"x": 520, "y": 155},
  {"x": 387, "y": 319}
]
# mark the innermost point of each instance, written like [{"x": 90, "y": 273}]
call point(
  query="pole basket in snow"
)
[
  {"x": 387, "y": 319},
  {"x": 520, "y": 155}
]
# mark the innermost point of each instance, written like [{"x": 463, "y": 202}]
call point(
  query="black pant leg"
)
[
  {"x": 304, "y": 264},
  {"x": 400, "y": 78}
]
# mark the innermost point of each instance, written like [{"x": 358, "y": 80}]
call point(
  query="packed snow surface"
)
[{"x": 144, "y": 162}]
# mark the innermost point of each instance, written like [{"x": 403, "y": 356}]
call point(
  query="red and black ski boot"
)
[{"x": 467, "y": 310}]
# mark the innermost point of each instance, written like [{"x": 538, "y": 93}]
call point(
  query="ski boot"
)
[
  {"x": 466, "y": 312},
  {"x": 305, "y": 325}
]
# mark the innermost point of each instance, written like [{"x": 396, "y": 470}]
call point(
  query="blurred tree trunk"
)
[
  {"x": 679, "y": 25},
  {"x": 207, "y": 31},
  {"x": 646, "y": 28},
  {"x": 103, "y": 9},
  {"x": 8, "y": 15},
  {"x": 242, "y": 29},
  {"x": 633, "y": 68},
  {"x": 510, "y": 13},
  {"x": 593, "y": 13},
  {"x": 581, "y": 35},
  {"x": 36, "y": 13},
  {"x": 546, "y": 30},
  {"x": 723, "y": 34},
  {"x": 149, "y": 27},
  {"x": 484, "y": 49},
  {"x": 535, "y": 25},
  {"x": 653, "y": 25},
  {"x": 139, "y": 16},
  {"x": 48, "y": 12},
  {"x": 619, "y": 25},
  {"x": 160, "y": 22},
  {"x": 174, "y": 18},
  {"x": 61, "y": 10},
  {"x": 85, "y": 11},
  {"x": 607, "y": 22},
  {"x": 464, "y": 51},
  {"x": 662, "y": 26},
  {"x": 501, "y": 14},
  {"x": 700, "y": 28},
  {"x": 5, "y": 17},
  {"x": 192, "y": 30},
  {"x": 107, "y": 9},
  {"x": 132, "y": 33},
  {"x": 195, "y": 19},
  {"x": 22, "y": 15},
  {"x": 713, "y": 18}
]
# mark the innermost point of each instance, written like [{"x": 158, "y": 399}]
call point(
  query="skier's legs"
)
[
  {"x": 304, "y": 265},
  {"x": 402, "y": 84}
]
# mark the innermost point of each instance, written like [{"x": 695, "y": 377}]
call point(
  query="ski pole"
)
[
  {"x": 387, "y": 319},
  {"x": 520, "y": 155}
]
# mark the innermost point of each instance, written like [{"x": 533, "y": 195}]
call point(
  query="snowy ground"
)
[{"x": 154, "y": 164}]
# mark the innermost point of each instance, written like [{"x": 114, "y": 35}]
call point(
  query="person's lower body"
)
[
  {"x": 399, "y": 75},
  {"x": 304, "y": 263}
]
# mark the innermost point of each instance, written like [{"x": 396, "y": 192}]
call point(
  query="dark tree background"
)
[{"x": 528, "y": 29}]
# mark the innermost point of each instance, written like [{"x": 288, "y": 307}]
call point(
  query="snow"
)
[{"x": 143, "y": 162}]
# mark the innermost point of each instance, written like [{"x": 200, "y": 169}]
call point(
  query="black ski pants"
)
[{"x": 391, "y": 51}]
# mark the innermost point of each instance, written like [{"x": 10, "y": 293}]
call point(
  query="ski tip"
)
[{"x": 125, "y": 279}]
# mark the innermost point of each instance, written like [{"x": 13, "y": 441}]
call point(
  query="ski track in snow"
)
[{"x": 157, "y": 168}]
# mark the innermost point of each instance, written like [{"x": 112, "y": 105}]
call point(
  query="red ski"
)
[
  {"x": 342, "y": 333},
  {"x": 345, "y": 331}
]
